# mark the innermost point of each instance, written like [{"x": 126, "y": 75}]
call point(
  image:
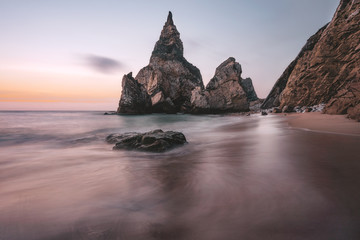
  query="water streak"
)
[{"x": 238, "y": 178}]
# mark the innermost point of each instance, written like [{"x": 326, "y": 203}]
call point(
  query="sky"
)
[{"x": 72, "y": 54}]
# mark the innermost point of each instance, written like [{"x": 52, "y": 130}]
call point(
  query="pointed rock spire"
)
[
  {"x": 169, "y": 78},
  {"x": 169, "y": 45},
  {"x": 169, "y": 19}
]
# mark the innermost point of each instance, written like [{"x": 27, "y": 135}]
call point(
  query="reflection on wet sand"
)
[{"x": 238, "y": 178}]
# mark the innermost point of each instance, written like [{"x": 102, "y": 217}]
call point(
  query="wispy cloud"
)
[{"x": 103, "y": 64}]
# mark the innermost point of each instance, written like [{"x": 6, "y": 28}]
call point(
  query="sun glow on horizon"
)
[{"x": 46, "y": 85}]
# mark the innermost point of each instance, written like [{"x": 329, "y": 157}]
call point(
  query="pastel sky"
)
[{"x": 72, "y": 54}]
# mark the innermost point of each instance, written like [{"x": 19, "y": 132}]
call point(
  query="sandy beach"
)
[
  {"x": 316, "y": 121},
  {"x": 239, "y": 177}
]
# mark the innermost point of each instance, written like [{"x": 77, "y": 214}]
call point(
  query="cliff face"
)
[
  {"x": 226, "y": 91},
  {"x": 327, "y": 69},
  {"x": 169, "y": 78}
]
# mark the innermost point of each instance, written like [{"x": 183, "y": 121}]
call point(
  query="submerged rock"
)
[
  {"x": 110, "y": 113},
  {"x": 153, "y": 141},
  {"x": 134, "y": 98},
  {"x": 226, "y": 91},
  {"x": 326, "y": 69}
]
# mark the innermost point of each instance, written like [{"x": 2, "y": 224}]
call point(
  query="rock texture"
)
[
  {"x": 169, "y": 78},
  {"x": 154, "y": 141},
  {"x": 174, "y": 85},
  {"x": 226, "y": 91},
  {"x": 134, "y": 98},
  {"x": 327, "y": 69}
]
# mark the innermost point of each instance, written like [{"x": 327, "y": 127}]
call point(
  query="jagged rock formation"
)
[
  {"x": 327, "y": 70},
  {"x": 226, "y": 91},
  {"x": 134, "y": 98},
  {"x": 174, "y": 85},
  {"x": 169, "y": 78},
  {"x": 153, "y": 141},
  {"x": 273, "y": 99}
]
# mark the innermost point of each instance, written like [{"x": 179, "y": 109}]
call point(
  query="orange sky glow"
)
[{"x": 60, "y": 89}]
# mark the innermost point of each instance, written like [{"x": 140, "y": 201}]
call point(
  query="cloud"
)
[
  {"x": 192, "y": 44},
  {"x": 103, "y": 64}
]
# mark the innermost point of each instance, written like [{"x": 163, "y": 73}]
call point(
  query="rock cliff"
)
[
  {"x": 327, "y": 69},
  {"x": 226, "y": 91},
  {"x": 169, "y": 78}
]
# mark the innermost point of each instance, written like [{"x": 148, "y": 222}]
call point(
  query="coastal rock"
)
[
  {"x": 134, "y": 98},
  {"x": 169, "y": 78},
  {"x": 273, "y": 99},
  {"x": 255, "y": 106},
  {"x": 174, "y": 85},
  {"x": 248, "y": 87},
  {"x": 288, "y": 109},
  {"x": 354, "y": 112},
  {"x": 153, "y": 141},
  {"x": 110, "y": 113},
  {"x": 226, "y": 91},
  {"x": 276, "y": 110},
  {"x": 326, "y": 69}
]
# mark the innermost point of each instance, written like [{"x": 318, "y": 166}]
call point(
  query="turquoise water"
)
[{"x": 237, "y": 178}]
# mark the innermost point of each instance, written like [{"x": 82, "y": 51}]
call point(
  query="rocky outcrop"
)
[
  {"x": 327, "y": 70},
  {"x": 134, "y": 98},
  {"x": 226, "y": 91},
  {"x": 154, "y": 141},
  {"x": 174, "y": 85},
  {"x": 169, "y": 78},
  {"x": 273, "y": 99}
]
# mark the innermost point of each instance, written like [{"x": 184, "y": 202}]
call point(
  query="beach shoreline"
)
[{"x": 316, "y": 121}]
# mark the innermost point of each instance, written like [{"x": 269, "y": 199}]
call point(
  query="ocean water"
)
[{"x": 237, "y": 178}]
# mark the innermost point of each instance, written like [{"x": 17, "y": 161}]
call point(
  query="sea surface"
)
[{"x": 239, "y": 177}]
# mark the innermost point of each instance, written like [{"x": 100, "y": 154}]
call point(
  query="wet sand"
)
[
  {"x": 324, "y": 123},
  {"x": 239, "y": 177}
]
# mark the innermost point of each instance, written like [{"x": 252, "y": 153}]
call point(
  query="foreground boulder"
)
[
  {"x": 169, "y": 78},
  {"x": 134, "y": 98},
  {"x": 226, "y": 91},
  {"x": 326, "y": 69},
  {"x": 154, "y": 141}
]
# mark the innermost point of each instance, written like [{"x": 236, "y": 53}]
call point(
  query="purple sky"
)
[{"x": 73, "y": 54}]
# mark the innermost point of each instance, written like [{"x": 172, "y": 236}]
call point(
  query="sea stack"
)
[
  {"x": 169, "y": 78},
  {"x": 226, "y": 92},
  {"x": 170, "y": 84},
  {"x": 327, "y": 69}
]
